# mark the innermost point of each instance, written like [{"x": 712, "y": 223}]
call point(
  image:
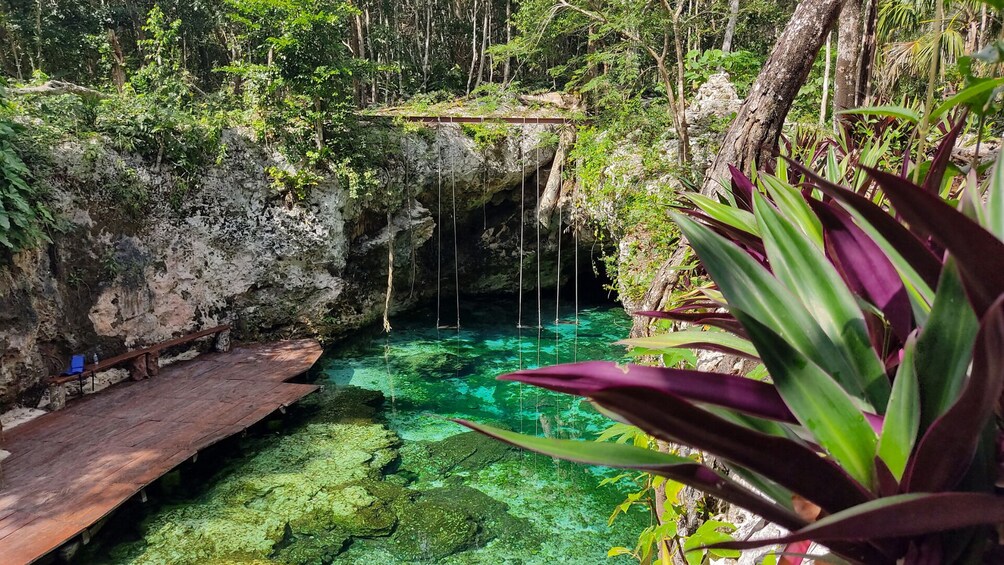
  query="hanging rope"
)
[
  {"x": 575, "y": 233},
  {"x": 456, "y": 262},
  {"x": 390, "y": 272},
  {"x": 519, "y": 339},
  {"x": 575, "y": 240},
  {"x": 519, "y": 288},
  {"x": 536, "y": 189},
  {"x": 484, "y": 192},
  {"x": 540, "y": 320},
  {"x": 522, "y": 222},
  {"x": 411, "y": 230},
  {"x": 390, "y": 374},
  {"x": 557, "y": 270},
  {"x": 439, "y": 224}
]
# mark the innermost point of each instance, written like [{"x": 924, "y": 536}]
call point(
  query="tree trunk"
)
[
  {"x": 118, "y": 60},
  {"x": 826, "y": 82},
  {"x": 753, "y": 136},
  {"x": 730, "y": 27},
  {"x": 552, "y": 189},
  {"x": 318, "y": 124},
  {"x": 868, "y": 47},
  {"x": 508, "y": 40},
  {"x": 845, "y": 87},
  {"x": 484, "y": 46},
  {"x": 474, "y": 46},
  {"x": 681, "y": 109}
]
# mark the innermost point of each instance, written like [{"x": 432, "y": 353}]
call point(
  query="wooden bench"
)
[{"x": 143, "y": 363}]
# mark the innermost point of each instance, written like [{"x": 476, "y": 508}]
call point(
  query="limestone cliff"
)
[{"x": 142, "y": 255}]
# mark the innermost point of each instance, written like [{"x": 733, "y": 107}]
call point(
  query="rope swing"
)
[
  {"x": 522, "y": 225},
  {"x": 439, "y": 241},
  {"x": 556, "y": 166},
  {"x": 536, "y": 189},
  {"x": 439, "y": 226},
  {"x": 456, "y": 262}
]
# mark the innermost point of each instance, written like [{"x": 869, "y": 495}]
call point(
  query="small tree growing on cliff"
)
[{"x": 24, "y": 217}]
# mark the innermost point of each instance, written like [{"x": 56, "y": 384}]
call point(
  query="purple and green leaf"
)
[
  {"x": 944, "y": 349},
  {"x": 904, "y": 515},
  {"x": 865, "y": 268},
  {"x": 913, "y": 251},
  {"x": 943, "y": 158},
  {"x": 803, "y": 269},
  {"x": 793, "y": 207},
  {"x": 751, "y": 288},
  {"x": 728, "y": 391},
  {"x": 671, "y": 418},
  {"x": 818, "y": 402},
  {"x": 902, "y": 417},
  {"x": 948, "y": 447},
  {"x": 696, "y": 339},
  {"x": 680, "y": 469},
  {"x": 721, "y": 320},
  {"x": 980, "y": 255},
  {"x": 742, "y": 189}
]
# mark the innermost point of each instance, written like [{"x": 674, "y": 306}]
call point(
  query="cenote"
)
[{"x": 371, "y": 469}]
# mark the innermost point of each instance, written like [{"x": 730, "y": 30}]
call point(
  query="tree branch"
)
[{"x": 57, "y": 87}]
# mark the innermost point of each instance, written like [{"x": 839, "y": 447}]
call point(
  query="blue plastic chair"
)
[{"x": 76, "y": 365}]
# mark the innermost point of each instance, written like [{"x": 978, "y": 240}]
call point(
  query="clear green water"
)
[{"x": 352, "y": 480}]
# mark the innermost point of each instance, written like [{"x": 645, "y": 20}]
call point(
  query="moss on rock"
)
[
  {"x": 492, "y": 515},
  {"x": 306, "y": 484},
  {"x": 319, "y": 549},
  {"x": 366, "y": 508},
  {"x": 431, "y": 530},
  {"x": 458, "y": 454},
  {"x": 446, "y": 521},
  {"x": 344, "y": 405}
]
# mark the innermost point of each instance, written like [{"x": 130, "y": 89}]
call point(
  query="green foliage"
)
[
  {"x": 164, "y": 134},
  {"x": 742, "y": 66},
  {"x": 297, "y": 183},
  {"x": 613, "y": 160},
  {"x": 486, "y": 135},
  {"x": 296, "y": 74},
  {"x": 162, "y": 75},
  {"x": 159, "y": 116},
  {"x": 648, "y": 490},
  {"x": 24, "y": 216}
]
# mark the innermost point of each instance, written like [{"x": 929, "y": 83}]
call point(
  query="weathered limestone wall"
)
[{"x": 143, "y": 256}]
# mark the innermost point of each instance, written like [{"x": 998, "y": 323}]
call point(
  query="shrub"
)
[{"x": 24, "y": 217}]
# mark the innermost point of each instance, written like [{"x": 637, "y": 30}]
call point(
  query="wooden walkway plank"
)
[{"x": 69, "y": 469}]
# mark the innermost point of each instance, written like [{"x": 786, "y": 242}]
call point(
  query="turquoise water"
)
[
  {"x": 356, "y": 478},
  {"x": 429, "y": 374}
]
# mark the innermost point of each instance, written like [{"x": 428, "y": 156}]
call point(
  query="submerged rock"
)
[
  {"x": 302, "y": 486},
  {"x": 446, "y": 521},
  {"x": 458, "y": 454},
  {"x": 431, "y": 530},
  {"x": 493, "y": 517},
  {"x": 344, "y": 404},
  {"x": 319, "y": 549},
  {"x": 366, "y": 508}
]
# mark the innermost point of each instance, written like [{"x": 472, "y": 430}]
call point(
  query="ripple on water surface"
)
[{"x": 372, "y": 471}]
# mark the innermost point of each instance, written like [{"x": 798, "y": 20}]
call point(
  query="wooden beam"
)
[
  {"x": 57, "y": 87},
  {"x": 480, "y": 119}
]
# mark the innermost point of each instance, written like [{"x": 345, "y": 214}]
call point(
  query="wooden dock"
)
[{"x": 71, "y": 468}]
